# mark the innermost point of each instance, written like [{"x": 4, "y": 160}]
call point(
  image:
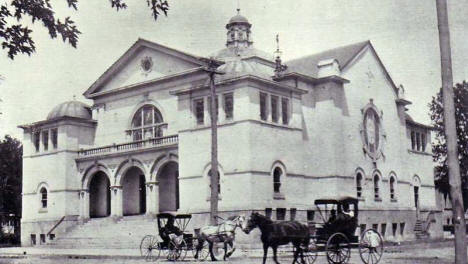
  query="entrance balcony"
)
[{"x": 134, "y": 146}]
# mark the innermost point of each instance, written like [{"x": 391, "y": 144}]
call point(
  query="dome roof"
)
[
  {"x": 238, "y": 19},
  {"x": 70, "y": 109}
]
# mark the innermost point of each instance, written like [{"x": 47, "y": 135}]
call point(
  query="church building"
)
[{"x": 332, "y": 123}]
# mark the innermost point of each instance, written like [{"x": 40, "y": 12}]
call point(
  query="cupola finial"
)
[{"x": 279, "y": 67}]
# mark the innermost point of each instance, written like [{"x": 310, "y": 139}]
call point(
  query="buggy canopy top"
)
[{"x": 337, "y": 200}]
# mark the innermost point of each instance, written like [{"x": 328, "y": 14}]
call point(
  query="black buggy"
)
[
  {"x": 335, "y": 235},
  {"x": 154, "y": 246}
]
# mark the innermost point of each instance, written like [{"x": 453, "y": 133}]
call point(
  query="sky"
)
[{"x": 404, "y": 34}]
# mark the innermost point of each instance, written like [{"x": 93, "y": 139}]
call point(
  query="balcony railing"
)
[{"x": 147, "y": 143}]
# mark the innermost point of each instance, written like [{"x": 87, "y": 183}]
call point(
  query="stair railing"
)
[{"x": 55, "y": 226}]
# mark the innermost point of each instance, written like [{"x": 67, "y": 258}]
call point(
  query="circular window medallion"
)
[
  {"x": 372, "y": 131},
  {"x": 146, "y": 64}
]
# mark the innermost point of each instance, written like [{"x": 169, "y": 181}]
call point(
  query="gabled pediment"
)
[{"x": 144, "y": 61}]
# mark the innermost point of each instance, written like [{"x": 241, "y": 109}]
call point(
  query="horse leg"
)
[
  {"x": 211, "y": 251},
  {"x": 296, "y": 252},
  {"x": 199, "y": 247},
  {"x": 265, "y": 251},
  {"x": 275, "y": 251},
  {"x": 231, "y": 243}
]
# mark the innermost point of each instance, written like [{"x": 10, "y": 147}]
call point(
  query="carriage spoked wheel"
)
[
  {"x": 204, "y": 249},
  {"x": 149, "y": 248},
  {"x": 176, "y": 252},
  {"x": 338, "y": 249},
  {"x": 218, "y": 250},
  {"x": 371, "y": 246},
  {"x": 310, "y": 253}
]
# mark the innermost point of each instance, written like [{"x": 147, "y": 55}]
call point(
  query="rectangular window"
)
[
  {"x": 413, "y": 140},
  {"x": 33, "y": 239},
  {"x": 51, "y": 236},
  {"x": 280, "y": 213},
  {"x": 394, "y": 229},
  {"x": 54, "y": 135},
  {"x": 274, "y": 109},
  {"x": 268, "y": 212},
  {"x": 292, "y": 214},
  {"x": 375, "y": 227},
  {"x": 423, "y": 141},
  {"x": 45, "y": 139},
  {"x": 285, "y": 110},
  {"x": 42, "y": 236},
  {"x": 217, "y": 106},
  {"x": 263, "y": 106},
  {"x": 383, "y": 229},
  {"x": 37, "y": 140},
  {"x": 418, "y": 141},
  {"x": 402, "y": 228},
  {"x": 310, "y": 215},
  {"x": 229, "y": 105},
  {"x": 199, "y": 111}
]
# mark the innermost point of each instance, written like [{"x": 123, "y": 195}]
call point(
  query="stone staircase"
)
[
  {"x": 419, "y": 230},
  {"x": 106, "y": 232}
]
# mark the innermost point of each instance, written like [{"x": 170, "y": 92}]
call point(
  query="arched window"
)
[
  {"x": 277, "y": 179},
  {"x": 359, "y": 185},
  {"x": 376, "y": 187},
  {"x": 147, "y": 123},
  {"x": 43, "y": 197},
  {"x": 392, "y": 188}
]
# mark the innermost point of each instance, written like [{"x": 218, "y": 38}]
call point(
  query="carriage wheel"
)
[
  {"x": 310, "y": 254},
  {"x": 149, "y": 248},
  {"x": 218, "y": 250},
  {"x": 338, "y": 249},
  {"x": 371, "y": 247},
  {"x": 204, "y": 249},
  {"x": 176, "y": 252}
]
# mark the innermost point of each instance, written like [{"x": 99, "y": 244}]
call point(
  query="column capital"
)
[{"x": 152, "y": 183}]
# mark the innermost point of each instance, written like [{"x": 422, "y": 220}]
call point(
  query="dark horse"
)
[{"x": 278, "y": 233}]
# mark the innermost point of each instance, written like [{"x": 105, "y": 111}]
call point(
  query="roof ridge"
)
[{"x": 329, "y": 50}]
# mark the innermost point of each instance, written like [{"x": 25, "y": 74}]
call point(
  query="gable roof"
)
[
  {"x": 308, "y": 64},
  {"x": 129, "y": 54}
]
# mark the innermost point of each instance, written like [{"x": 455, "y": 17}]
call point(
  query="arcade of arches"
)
[{"x": 133, "y": 196}]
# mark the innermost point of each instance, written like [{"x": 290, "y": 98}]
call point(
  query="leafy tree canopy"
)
[
  {"x": 16, "y": 38},
  {"x": 11, "y": 164},
  {"x": 439, "y": 148}
]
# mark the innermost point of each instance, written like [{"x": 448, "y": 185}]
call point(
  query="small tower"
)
[{"x": 238, "y": 32}]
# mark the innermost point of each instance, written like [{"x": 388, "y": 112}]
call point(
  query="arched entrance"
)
[
  {"x": 168, "y": 178},
  {"x": 99, "y": 195},
  {"x": 133, "y": 192}
]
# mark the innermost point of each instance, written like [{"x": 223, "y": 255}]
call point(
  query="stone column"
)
[
  {"x": 152, "y": 198},
  {"x": 84, "y": 204},
  {"x": 116, "y": 201}
]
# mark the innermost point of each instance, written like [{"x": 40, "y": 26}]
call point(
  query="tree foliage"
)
[
  {"x": 439, "y": 148},
  {"x": 11, "y": 164},
  {"x": 16, "y": 38}
]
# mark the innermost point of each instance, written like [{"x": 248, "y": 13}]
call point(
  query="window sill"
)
[
  {"x": 378, "y": 199},
  {"x": 278, "y": 196},
  {"x": 393, "y": 200},
  {"x": 209, "y": 198}
]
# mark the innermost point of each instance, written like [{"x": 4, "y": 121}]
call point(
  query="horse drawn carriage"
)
[
  {"x": 172, "y": 240},
  {"x": 334, "y": 236}
]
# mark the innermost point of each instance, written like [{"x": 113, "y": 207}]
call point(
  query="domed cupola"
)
[
  {"x": 238, "y": 32},
  {"x": 70, "y": 109}
]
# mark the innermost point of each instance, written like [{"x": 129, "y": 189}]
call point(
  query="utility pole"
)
[
  {"x": 450, "y": 133},
  {"x": 214, "y": 180}
]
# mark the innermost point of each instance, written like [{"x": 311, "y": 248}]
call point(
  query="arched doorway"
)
[
  {"x": 168, "y": 179},
  {"x": 99, "y": 195},
  {"x": 133, "y": 192}
]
